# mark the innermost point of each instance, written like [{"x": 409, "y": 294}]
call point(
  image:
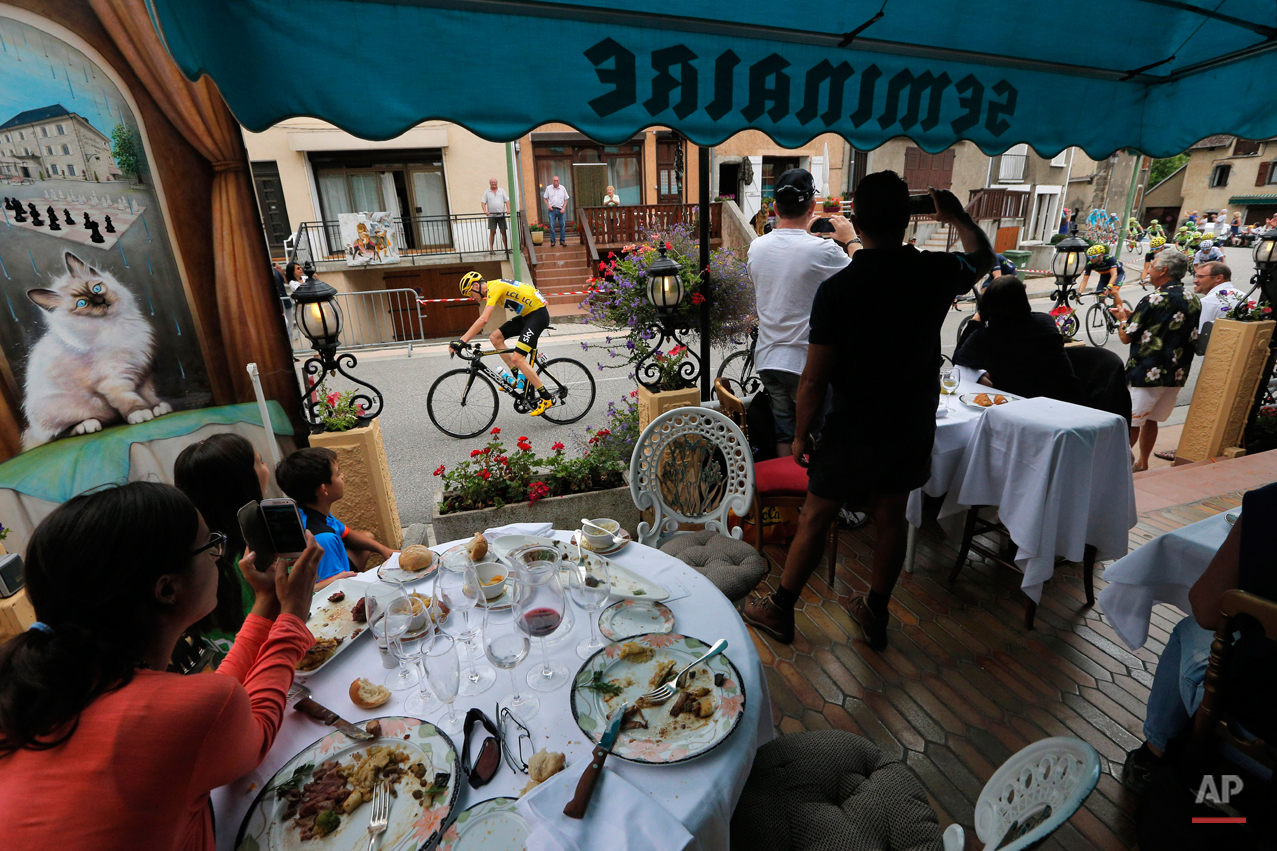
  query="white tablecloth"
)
[
  {"x": 1161, "y": 571},
  {"x": 701, "y": 794},
  {"x": 1060, "y": 475},
  {"x": 953, "y": 433}
]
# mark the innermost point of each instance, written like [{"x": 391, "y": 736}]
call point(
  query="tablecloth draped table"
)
[
  {"x": 1161, "y": 571},
  {"x": 700, "y": 794}
]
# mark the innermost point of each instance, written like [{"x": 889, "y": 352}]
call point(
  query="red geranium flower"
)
[
  {"x": 557, "y": 447},
  {"x": 484, "y": 474},
  {"x": 697, "y": 298},
  {"x": 495, "y": 431},
  {"x": 439, "y": 472},
  {"x": 476, "y": 452},
  {"x": 669, "y": 246},
  {"x": 503, "y": 460}
]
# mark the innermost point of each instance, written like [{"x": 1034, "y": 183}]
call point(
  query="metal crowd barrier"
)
[{"x": 377, "y": 319}]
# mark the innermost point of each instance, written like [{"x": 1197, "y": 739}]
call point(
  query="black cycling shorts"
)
[{"x": 528, "y": 329}]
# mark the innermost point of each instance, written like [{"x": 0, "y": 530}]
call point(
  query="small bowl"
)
[
  {"x": 594, "y": 540},
  {"x": 420, "y": 612},
  {"x": 489, "y": 571}
]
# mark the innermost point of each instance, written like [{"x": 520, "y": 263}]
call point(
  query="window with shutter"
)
[
  {"x": 1245, "y": 148},
  {"x": 1261, "y": 177}
]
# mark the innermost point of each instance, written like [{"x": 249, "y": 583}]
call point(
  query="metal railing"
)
[
  {"x": 376, "y": 319},
  {"x": 414, "y": 237}
]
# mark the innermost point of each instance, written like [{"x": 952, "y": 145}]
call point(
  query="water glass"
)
[
  {"x": 390, "y": 615},
  {"x": 949, "y": 379},
  {"x": 421, "y": 703},
  {"x": 461, "y": 592},
  {"x": 444, "y": 671},
  {"x": 506, "y": 646},
  {"x": 589, "y": 585},
  {"x": 539, "y": 609}
]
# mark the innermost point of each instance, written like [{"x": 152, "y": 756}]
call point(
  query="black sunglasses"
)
[{"x": 485, "y": 768}]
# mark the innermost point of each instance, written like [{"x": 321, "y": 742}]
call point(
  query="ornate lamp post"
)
[
  {"x": 317, "y": 316},
  {"x": 665, "y": 291},
  {"x": 1067, "y": 264}
]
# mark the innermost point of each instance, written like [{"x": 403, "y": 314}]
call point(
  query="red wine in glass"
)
[{"x": 539, "y": 623}]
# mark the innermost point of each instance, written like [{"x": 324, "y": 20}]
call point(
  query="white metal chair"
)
[{"x": 1058, "y": 773}]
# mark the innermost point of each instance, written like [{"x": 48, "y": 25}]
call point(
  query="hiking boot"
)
[
  {"x": 776, "y": 621},
  {"x": 1138, "y": 770},
  {"x": 874, "y": 627}
]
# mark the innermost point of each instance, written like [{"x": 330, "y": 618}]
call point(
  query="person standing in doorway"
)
[
  {"x": 556, "y": 199},
  {"x": 496, "y": 203}
]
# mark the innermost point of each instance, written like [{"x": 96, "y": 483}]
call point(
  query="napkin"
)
[
  {"x": 540, "y": 529},
  {"x": 621, "y": 817}
]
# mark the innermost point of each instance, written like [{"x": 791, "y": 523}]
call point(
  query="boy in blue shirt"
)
[{"x": 311, "y": 478}]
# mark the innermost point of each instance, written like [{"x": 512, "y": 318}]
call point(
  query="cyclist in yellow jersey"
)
[{"x": 531, "y": 317}]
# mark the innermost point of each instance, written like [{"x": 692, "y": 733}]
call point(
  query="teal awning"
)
[
  {"x": 1254, "y": 200},
  {"x": 1102, "y": 75}
]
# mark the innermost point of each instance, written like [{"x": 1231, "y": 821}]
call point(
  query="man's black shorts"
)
[
  {"x": 495, "y": 222},
  {"x": 850, "y": 472},
  {"x": 527, "y": 328}
]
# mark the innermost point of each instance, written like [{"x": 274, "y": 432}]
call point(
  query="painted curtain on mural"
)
[{"x": 95, "y": 327}]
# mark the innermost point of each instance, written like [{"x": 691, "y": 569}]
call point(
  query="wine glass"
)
[
  {"x": 539, "y": 608},
  {"x": 506, "y": 646},
  {"x": 390, "y": 614},
  {"x": 461, "y": 592},
  {"x": 444, "y": 671},
  {"x": 589, "y": 585},
  {"x": 949, "y": 379},
  {"x": 421, "y": 703}
]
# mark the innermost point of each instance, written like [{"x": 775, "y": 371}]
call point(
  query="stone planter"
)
[
  {"x": 652, "y": 405},
  {"x": 538, "y": 237},
  {"x": 1226, "y": 387},
  {"x": 369, "y": 503},
  {"x": 565, "y": 512}
]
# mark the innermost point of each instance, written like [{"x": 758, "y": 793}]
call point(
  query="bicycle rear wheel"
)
[
  {"x": 739, "y": 367},
  {"x": 1097, "y": 326},
  {"x": 572, "y": 387},
  {"x": 462, "y": 403}
]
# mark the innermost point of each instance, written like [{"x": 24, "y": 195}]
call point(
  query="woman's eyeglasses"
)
[
  {"x": 216, "y": 545},
  {"x": 515, "y": 758}
]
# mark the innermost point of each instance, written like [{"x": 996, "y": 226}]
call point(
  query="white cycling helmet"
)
[{"x": 1207, "y": 243}]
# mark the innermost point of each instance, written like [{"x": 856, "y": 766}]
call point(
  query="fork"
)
[
  {"x": 380, "y": 812},
  {"x": 665, "y": 692}
]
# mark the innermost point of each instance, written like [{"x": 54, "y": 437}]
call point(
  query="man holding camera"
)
[
  {"x": 787, "y": 266},
  {"x": 875, "y": 446}
]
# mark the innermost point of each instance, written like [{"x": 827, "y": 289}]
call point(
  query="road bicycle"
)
[
  {"x": 739, "y": 366},
  {"x": 464, "y": 403},
  {"x": 1100, "y": 323}
]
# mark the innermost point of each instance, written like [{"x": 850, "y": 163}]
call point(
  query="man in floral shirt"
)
[{"x": 1162, "y": 333}]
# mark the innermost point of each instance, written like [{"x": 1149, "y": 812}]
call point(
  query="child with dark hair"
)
[{"x": 312, "y": 478}]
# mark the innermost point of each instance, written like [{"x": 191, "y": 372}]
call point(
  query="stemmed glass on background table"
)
[
  {"x": 390, "y": 615},
  {"x": 506, "y": 645},
  {"x": 589, "y": 585},
  {"x": 421, "y": 703},
  {"x": 444, "y": 671},
  {"x": 949, "y": 379},
  {"x": 458, "y": 587},
  {"x": 539, "y": 608}
]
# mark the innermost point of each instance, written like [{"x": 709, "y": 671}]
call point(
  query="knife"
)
[
  {"x": 324, "y": 715},
  {"x": 585, "y": 786}
]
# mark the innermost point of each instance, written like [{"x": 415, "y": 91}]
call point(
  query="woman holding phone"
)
[{"x": 100, "y": 747}]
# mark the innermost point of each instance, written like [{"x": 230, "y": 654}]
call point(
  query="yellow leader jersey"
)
[{"x": 518, "y": 297}]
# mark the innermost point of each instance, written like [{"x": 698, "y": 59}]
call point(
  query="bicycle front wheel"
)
[
  {"x": 462, "y": 403},
  {"x": 739, "y": 367},
  {"x": 1097, "y": 326},
  {"x": 572, "y": 387}
]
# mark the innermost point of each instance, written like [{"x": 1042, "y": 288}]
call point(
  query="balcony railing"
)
[
  {"x": 619, "y": 225},
  {"x": 415, "y": 236}
]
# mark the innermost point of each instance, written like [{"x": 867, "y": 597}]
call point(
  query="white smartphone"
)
[{"x": 284, "y": 523}]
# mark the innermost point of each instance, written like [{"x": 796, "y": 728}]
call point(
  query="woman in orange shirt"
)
[{"x": 100, "y": 747}]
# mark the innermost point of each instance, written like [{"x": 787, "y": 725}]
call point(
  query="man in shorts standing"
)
[
  {"x": 872, "y": 457},
  {"x": 787, "y": 266},
  {"x": 1162, "y": 334},
  {"x": 495, "y": 203}
]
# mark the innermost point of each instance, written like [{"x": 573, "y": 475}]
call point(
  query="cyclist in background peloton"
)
[
  {"x": 530, "y": 319},
  {"x": 1098, "y": 260},
  {"x": 1155, "y": 245}
]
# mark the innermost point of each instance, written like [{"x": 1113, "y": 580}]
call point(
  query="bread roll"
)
[
  {"x": 541, "y": 767},
  {"x": 368, "y": 695},
  {"x": 416, "y": 558},
  {"x": 478, "y": 547}
]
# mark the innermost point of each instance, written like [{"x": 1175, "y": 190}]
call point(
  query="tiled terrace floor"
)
[{"x": 962, "y": 685}]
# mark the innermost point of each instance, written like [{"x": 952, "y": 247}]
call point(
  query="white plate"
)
[
  {"x": 413, "y": 824},
  {"x": 968, "y": 399},
  {"x": 626, "y": 584},
  {"x": 506, "y": 544},
  {"x": 491, "y": 825},
  {"x": 333, "y": 620},
  {"x": 390, "y": 571},
  {"x": 606, "y": 551},
  {"x": 627, "y": 618}
]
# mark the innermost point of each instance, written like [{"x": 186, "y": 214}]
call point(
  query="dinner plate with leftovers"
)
[
  {"x": 986, "y": 400},
  {"x": 337, "y": 617},
  {"x": 491, "y": 825},
  {"x": 321, "y": 799},
  {"x": 706, "y": 709},
  {"x": 626, "y": 584}
]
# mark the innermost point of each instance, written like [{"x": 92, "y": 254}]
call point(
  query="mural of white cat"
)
[{"x": 93, "y": 364}]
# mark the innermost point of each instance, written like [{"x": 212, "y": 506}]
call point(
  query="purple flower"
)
[
  {"x": 600, "y": 367},
  {"x": 585, "y": 347}
]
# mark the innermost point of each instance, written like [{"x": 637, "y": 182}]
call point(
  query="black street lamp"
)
[
  {"x": 1068, "y": 264},
  {"x": 317, "y": 315},
  {"x": 665, "y": 291}
]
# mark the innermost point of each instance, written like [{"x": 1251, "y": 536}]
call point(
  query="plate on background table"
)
[
  {"x": 491, "y": 825},
  {"x": 390, "y": 571},
  {"x": 666, "y": 740},
  {"x": 615, "y": 547},
  {"x": 331, "y": 621},
  {"x": 969, "y": 399},
  {"x": 635, "y": 617},
  {"x": 413, "y": 823}
]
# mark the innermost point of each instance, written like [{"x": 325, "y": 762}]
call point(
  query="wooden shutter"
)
[{"x": 1261, "y": 178}]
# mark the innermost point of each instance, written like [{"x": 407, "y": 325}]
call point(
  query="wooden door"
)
[
  {"x": 669, "y": 179},
  {"x": 923, "y": 170},
  {"x": 443, "y": 319},
  {"x": 270, "y": 201}
]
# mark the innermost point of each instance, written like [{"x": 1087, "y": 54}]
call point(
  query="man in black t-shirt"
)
[{"x": 873, "y": 452}]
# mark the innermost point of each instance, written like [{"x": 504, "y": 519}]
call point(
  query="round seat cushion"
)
[
  {"x": 733, "y": 566},
  {"x": 829, "y": 790},
  {"x": 780, "y": 477}
]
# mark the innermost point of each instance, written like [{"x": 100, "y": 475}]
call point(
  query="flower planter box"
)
[
  {"x": 1226, "y": 387},
  {"x": 565, "y": 512},
  {"x": 538, "y": 237},
  {"x": 369, "y": 503},
  {"x": 652, "y": 405}
]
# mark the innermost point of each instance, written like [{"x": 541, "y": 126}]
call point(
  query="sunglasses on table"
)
[{"x": 484, "y": 768}]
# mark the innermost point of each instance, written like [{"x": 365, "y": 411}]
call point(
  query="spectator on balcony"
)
[
  {"x": 611, "y": 199},
  {"x": 496, "y": 204},
  {"x": 556, "y": 199}
]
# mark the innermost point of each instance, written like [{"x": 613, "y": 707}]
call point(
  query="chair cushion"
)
[
  {"x": 830, "y": 790},
  {"x": 733, "y": 566},
  {"x": 780, "y": 477}
]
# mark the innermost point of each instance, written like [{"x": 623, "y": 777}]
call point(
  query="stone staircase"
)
[
  {"x": 938, "y": 241},
  {"x": 562, "y": 270}
]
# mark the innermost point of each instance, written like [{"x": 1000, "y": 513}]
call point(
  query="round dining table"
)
[{"x": 686, "y": 805}]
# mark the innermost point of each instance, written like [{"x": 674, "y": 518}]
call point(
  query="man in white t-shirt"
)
[
  {"x": 556, "y": 200},
  {"x": 495, "y": 203},
  {"x": 1213, "y": 282},
  {"x": 787, "y": 266}
]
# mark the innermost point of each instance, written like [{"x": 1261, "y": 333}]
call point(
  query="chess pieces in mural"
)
[
  {"x": 110, "y": 228},
  {"x": 35, "y": 215},
  {"x": 66, "y": 217},
  {"x": 53, "y": 219},
  {"x": 19, "y": 214},
  {"x": 85, "y": 225},
  {"x": 95, "y": 235}
]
